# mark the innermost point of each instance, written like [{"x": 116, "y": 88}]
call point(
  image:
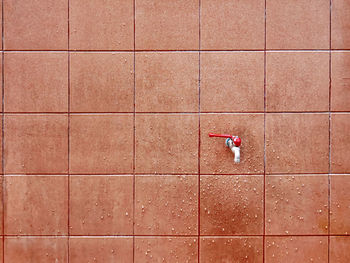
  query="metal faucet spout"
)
[{"x": 236, "y": 150}]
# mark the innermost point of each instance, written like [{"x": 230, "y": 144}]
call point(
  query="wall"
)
[{"x": 106, "y": 111}]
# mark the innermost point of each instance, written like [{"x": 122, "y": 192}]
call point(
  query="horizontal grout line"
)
[
  {"x": 171, "y": 50},
  {"x": 272, "y": 235},
  {"x": 242, "y": 236},
  {"x": 272, "y": 112},
  {"x": 171, "y": 236},
  {"x": 20, "y": 175},
  {"x": 175, "y": 112},
  {"x": 100, "y": 175},
  {"x": 25, "y": 174},
  {"x": 92, "y": 236},
  {"x": 147, "y": 175},
  {"x": 321, "y": 235},
  {"x": 125, "y": 174},
  {"x": 165, "y": 174},
  {"x": 125, "y": 236},
  {"x": 34, "y": 236}
]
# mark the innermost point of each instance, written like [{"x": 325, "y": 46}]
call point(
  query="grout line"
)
[
  {"x": 264, "y": 199},
  {"x": 199, "y": 130},
  {"x": 69, "y": 186},
  {"x": 68, "y": 175},
  {"x": 3, "y": 132},
  {"x": 171, "y": 174},
  {"x": 134, "y": 138},
  {"x": 173, "y": 50},
  {"x": 174, "y": 236},
  {"x": 166, "y": 175},
  {"x": 329, "y": 126},
  {"x": 174, "y": 113},
  {"x": 35, "y": 175}
]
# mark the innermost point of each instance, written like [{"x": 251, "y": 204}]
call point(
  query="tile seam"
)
[
  {"x": 199, "y": 130},
  {"x": 3, "y": 132},
  {"x": 69, "y": 102},
  {"x": 189, "y": 236},
  {"x": 329, "y": 126},
  {"x": 173, "y": 174},
  {"x": 176, "y": 113},
  {"x": 134, "y": 134},
  {"x": 174, "y": 50},
  {"x": 264, "y": 196}
]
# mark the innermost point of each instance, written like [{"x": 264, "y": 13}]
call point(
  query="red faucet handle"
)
[
  {"x": 236, "y": 140},
  {"x": 221, "y": 135}
]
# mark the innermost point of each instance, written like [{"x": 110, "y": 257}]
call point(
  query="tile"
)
[
  {"x": 296, "y": 249},
  {"x": 102, "y": 82},
  {"x": 1, "y": 213},
  {"x": 101, "y": 205},
  {"x": 232, "y": 25},
  {"x": 339, "y": 249},
  {"x": 1, "y": 145},
  {"x": 173, "y": 139},
  {"x": 1, "y": 250},
  {"x": 36, "y": 144},
  {"x": 101, "y": 143},
  {"x": 167, "y": 25},
  {"x": 297, "y": 81},
  {"x": 340, "y": 143},
  {"x": 300, "y": 24},
  {"x": 36, "y": 249},
  {"x": 232, "y": 81},
  {"x": 296, "y": 205},
  {"x": 340, "y": 24},
  {"x": 231, "y": 249},
  {"x": 167, "y": 82},
  {"x": 1, "y": 45},
  {"x": 36, "y": 82},
  {"x": 217, "y": 158},
  {"x": 1, "y": 77},
  {"x": 166, "y": 205},
  {"x": 166, "y": 249},
  {"x": 36, "y": 205},
  {"x": 340, "y": 74},
  {"x": 297, "y": 143},
  {"x": 231, "y": 205},
  {"x": 97, "y": 26},
  {"x": 100, "y": 249},
  {"x": 340, "y": 205},
  {"x": 35, "y": 24}
]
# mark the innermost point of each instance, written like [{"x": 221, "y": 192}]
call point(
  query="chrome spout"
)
[{"x": 236, "y": 150}]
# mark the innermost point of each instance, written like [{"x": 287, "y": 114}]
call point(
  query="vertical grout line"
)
[
  {"x": 69, "y": 187},
  {"x": 134, "y": 139},
  {"x": 199, "y": 128},
  {"x": 264, "y": 195},
  {"x": 3, "y": 132},
  {"x": 329, "y": 125}
]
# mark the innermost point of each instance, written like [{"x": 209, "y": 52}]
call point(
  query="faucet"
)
[{"x": 233, "y": 142}]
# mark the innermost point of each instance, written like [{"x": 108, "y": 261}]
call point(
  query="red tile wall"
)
[{"x": 106, "y": 109}]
